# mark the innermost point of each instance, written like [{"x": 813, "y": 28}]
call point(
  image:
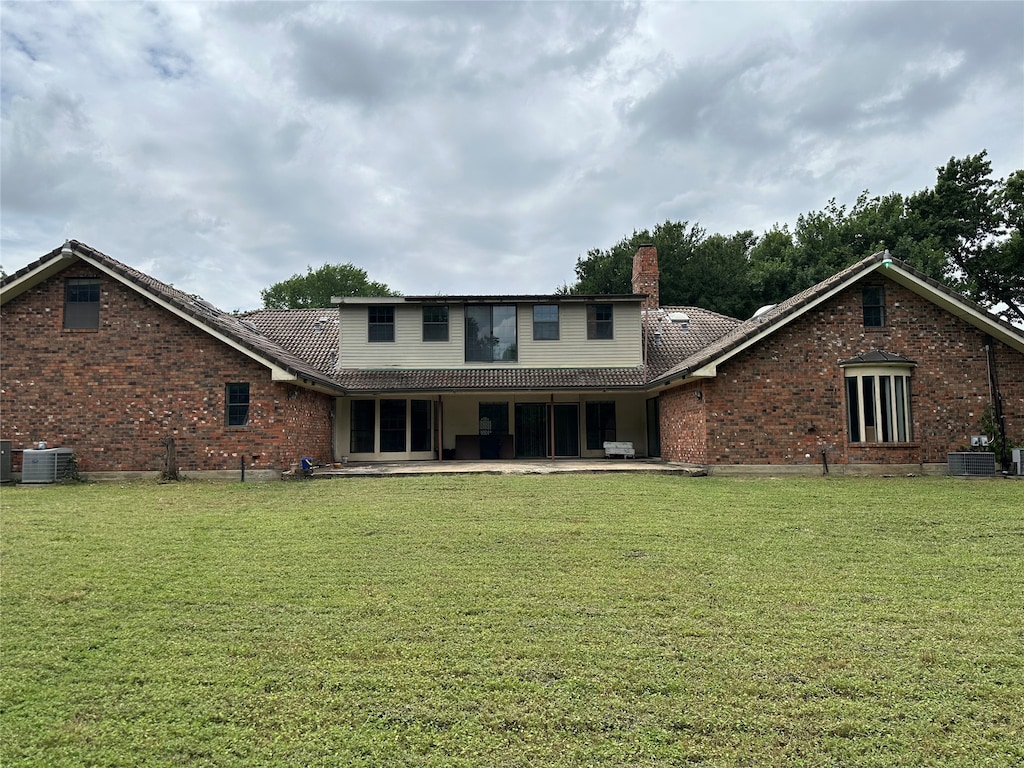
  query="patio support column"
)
[
  {"x": 551, "y": 428},
  {"x": 440, "y": 428}
]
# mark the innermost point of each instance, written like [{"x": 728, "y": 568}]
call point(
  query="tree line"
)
[{"x": 967, "y": 231}]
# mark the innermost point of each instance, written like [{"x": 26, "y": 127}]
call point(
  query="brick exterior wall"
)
[
  {"x": 784, "y": 398},
  {"x": 683, "y": 424},
  {"x": 115, "y": 393}
]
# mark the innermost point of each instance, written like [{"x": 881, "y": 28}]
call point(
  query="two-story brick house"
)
[{"x": 877, "y": 366}]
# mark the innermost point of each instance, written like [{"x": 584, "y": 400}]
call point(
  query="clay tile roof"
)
[
  {"x": 234, "y": 327},
  {"x": 766, "y": 322},
  {"x": 311, "y": 334},
  {"x": 675, "y": 333},
  {"x": 490, "y": 379}
]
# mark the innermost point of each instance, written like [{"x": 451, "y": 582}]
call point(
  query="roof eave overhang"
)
[
  {"x": 971, "y": 314},
  {"x": 32, "y": 278},
  {"x": 625, "y": 298},
  {"x": 353, "y": 391},
  {"x": 55, "y": 265}
]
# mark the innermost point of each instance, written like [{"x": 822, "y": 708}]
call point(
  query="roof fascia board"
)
[
  {"x": 972, "y": 316},
  {"x": 710, "y": 369},
  {"x": 616, "y": 298},
  {"x": 31, "y": 279},
  {"x": 277, "y": 373}
]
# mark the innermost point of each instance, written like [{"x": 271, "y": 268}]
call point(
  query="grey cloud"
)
[
  {"x": 343, "y": 63},
  {"x": 732, "y": 98}
]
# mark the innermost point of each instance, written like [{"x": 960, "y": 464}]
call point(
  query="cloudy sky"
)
[{"x": 473, "y": 147}]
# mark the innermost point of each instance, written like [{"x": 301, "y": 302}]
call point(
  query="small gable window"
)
[
  {"x": 873, "y": 302},
  {"x": 237, "y": 400},
  {"x": 82, "y": 303},
  {"x": 381, "y": 323},
  {"x": 878, "y": 398}
]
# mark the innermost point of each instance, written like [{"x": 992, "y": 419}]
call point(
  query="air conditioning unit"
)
[
  {"x": 1018, "y": 460},
  {"x": 47, "y": 465},
  {"x": 971, "y": 464}
]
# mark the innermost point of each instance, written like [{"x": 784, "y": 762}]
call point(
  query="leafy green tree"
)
[
  {"x": 611, "y": 270},
  {"x": 316, "y": 287},
  {"x": 999, "y": 271},
  {"x": 975, "y": 222},
  {"x": 968, "y": 232},
  {"x": 772, "y": 260},
  {"x": 717, "y": 276}
]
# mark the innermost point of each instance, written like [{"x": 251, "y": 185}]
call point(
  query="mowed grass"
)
[{"x": 574, "y": 620}]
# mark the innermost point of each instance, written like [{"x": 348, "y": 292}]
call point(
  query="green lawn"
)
[{"x": 568, "y": 620}]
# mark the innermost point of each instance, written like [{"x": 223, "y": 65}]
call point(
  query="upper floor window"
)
[
  {"x": 381, "y": 323},
  {"x": 599, "y": 321},
  {"x": 237, "y": 404},
  {"x": 82, "y": 303},
  {"x": 545, "y": 322},
  {"x": 435, "y": 323},
  {"x": 491, "y": 333},
  {"x": 873, "y": 301}
]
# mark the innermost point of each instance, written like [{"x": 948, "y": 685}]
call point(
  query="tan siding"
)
[
  {"x": 408, "y": 350},
  {"x": 571, "y": 350}
]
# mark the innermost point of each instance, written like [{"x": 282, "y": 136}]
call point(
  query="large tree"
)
[
  {"x": 968, "y": 232},
  {"x": 316, "y": 287},
  {"x": 976, "y": 222}
]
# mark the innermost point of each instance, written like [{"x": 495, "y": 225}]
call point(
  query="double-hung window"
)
[
  {"x": 236, "y": 397},
  {"x": 873, "y": 304},
  {"x": 435, "y": 323},
  {"x": 381, "y": 323},
  {"x": 545, "y": 322},
  {"x": 491, "y": 333},
  {"x": 599, "y": 321}
]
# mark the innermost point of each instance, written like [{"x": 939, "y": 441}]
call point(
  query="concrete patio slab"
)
[{"x": 514, "y": 467}]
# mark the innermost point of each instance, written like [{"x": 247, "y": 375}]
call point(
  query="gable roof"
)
[
  {"x": 681, "y": 343},
  {"x": 233, "y": 330},
  {"x": 704, "y": 362}
]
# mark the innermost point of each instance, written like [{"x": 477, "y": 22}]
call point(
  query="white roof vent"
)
[
  {"x": 679, "y": 318},
  {"x": 763, "y": 310}
]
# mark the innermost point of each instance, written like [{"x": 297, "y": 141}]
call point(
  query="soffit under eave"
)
[{"x": 702, "y": 374}]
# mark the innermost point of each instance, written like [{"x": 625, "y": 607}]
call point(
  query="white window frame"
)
[{"x": 889, "y": 414}]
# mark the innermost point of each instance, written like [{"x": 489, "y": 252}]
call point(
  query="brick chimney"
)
[{"x": 645, "y": 275}]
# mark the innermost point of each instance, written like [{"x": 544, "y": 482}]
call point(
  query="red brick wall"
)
[
  {"x": 784, "y": 398},
  {"x": 115, "y": 393},
  {"x": 683, "y": 424}
]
